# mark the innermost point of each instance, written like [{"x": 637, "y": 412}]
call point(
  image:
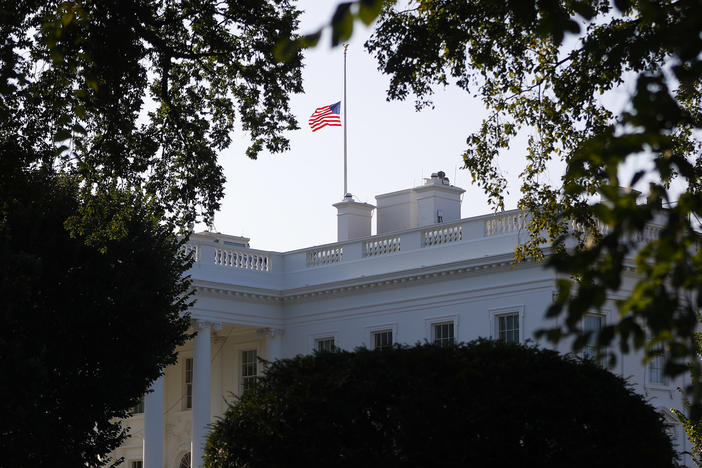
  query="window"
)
[
  {"x": 139, "y": 407},
  {"x": 188, "y": 384},
  {"x": 507, "y": 323},
  {"x": 136, "y": 464},
  {"x": 324, "y": 344},
  {"x": 249, "y": 370},
  {"x": 185, "y": 461},
  {"x": 327, "y": 341},
  {"x": 593, "y": 324},
  {"x": 443, "y": 333},
  {"x": 382, "y": 339},
  {"x": 656, "y": 368},
  {"x": 507, "y": 327}
]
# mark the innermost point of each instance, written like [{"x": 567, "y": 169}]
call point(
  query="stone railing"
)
[
  {"x": 243, "y": 259},
  {"x": 325, "y": 256},
  {"x": 505, "y": 223},
  {"x": 386, "y": 245},
  {"x": 207, "y": 251},
  {"x": 601, "y": 227},
  {"x": 649, "y": 233},
  {"x": 442, "y": 235},
  {"x": 193, "y": 249},
  {"x": 468, "y": 239}
]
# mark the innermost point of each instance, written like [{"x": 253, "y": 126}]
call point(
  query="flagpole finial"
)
[{"x": 346, "y": 46}]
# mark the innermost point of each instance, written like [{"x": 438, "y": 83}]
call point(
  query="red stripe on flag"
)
[
  {"x": 322, "y": 117},
  {"x": 327, "y": 124}
]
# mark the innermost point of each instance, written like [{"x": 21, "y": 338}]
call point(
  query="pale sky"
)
[{"x": 284, "y": 202}]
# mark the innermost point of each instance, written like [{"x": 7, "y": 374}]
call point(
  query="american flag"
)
[{"x": 327, "y": 115}]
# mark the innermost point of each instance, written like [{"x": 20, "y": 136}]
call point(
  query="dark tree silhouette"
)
[
  {"x": 484, "y": 403},
  {"x": 112, "y": 113},
  {"x": 86, "y": 327}
]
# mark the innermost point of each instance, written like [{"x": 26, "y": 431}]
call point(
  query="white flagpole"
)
[{"x": 346, "y": 46}]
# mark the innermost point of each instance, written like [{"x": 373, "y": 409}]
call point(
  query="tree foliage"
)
[
  {"x": 143, "y": 94},
  {"x": 112, "y": 113},
  {"x": 693, "y": 431},
  {"x": 553, "y": 70},
  {"x": 692, "y": 427},
  {"x": 483, "y": 403},
  {"x": 87, "y": 326}
]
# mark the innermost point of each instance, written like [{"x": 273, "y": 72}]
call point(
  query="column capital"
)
[
  {"x": 199, "y": 324},
  {"x": 274, "y": 342},
  {"x": 269, "y": 332}
]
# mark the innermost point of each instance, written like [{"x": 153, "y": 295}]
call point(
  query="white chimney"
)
[
  {"x": 353, "y": 219},
  {"x": 397, "y": 211},
  {"x": 437, "y": 201}
]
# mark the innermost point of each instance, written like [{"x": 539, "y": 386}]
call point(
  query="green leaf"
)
[
  {"x": 67, "y": 18},
  {"x": 80, "y": 112},
  {"x": 78, "y": 128},
  {"x": 91, "y": 80},
  {"x": 623, "y": 5},
  {"x": 572, "y": 26},
  {"x": 584, "y": 9},
  {"x": 342, "y": 23},
  {"x": 369, "y": 10},
  {"x": 284, "y": 50},
  {"x": 310, "y": 40},
  {"x": 62, "y": 134}
]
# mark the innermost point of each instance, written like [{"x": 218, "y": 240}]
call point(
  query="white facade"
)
[{"x": 427, "y": 281}]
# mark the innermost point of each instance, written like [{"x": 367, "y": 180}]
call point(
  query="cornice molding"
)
[{"x": 386, "y": 280}]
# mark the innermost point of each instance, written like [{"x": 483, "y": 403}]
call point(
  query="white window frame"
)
[
  {"x": 667, "y": 383},
  {"x": 497, "y": 312},
  {"x": 243, "y": 378},
  {"x": 429, "y": 324},
  {"x": 370, "y": 331},
  {"x": 313, "y": 339},
  {"x": 328, "y": 339},
  {"x": 603, "y": 323},
  {"x": 184, "y": 382},
  {"x": 238, "y": 350}
]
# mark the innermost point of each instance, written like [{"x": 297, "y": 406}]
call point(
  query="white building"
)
[{"x": 426, "y": 275}]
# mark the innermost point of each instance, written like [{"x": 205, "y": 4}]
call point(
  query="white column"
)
[
  {"x": 201, "y": 390},
  {"x": 153, "y": 426}
]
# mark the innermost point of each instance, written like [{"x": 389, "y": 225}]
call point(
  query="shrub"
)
[{"x": 483, "y": 403}]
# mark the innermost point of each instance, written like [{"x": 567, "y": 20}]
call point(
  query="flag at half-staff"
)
[{"x": 328, "y": 115}]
